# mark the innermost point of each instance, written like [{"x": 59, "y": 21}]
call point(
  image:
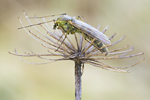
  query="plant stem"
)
[{"x": 78, "y": 80}]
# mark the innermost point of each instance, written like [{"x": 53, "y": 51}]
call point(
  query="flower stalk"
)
[{"x": 78, "y": 75}]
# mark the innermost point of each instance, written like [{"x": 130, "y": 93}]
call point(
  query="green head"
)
[{"x": 62, "y": 20}]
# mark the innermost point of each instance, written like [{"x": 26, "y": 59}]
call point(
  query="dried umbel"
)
[
  {"x": 69, "y": 51},
  {"x": 74, "y": 49}
]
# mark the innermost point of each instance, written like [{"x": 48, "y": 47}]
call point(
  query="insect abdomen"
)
[
  {"x": 99, "y": 45},
  {"x": 96, "y": 43}
]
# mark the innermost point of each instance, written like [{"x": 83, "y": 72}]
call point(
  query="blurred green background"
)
[{"x": 55, "y": 81}]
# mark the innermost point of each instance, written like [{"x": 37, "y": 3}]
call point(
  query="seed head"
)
[{"x": 77, "y": 50}]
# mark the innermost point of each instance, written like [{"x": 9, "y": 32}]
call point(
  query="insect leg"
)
[
  {"x": 80, "y": 18},
  {"x": 62, "y": 41},
  {"x": 83, "y": 34}
]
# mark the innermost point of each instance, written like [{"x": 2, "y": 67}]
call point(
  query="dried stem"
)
[{"x": 78, "y": 80}]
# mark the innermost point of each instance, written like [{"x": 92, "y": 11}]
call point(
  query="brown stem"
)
[{"x": 78, "y": 80}]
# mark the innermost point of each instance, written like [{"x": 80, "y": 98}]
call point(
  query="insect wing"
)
[{"x": 91, "y": 31}]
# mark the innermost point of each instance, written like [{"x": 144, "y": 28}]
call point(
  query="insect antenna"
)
[
  {"x": 49, "y": 15},
  {"x": 35, "y": 24}
]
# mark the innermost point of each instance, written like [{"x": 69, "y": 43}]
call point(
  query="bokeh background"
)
[{"x": 55, "y": 81}]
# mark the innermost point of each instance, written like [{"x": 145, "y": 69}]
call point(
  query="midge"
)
[{"x": 71, "y": 25}]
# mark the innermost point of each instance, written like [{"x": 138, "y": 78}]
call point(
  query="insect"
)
[{"x": 71, "y": 25}]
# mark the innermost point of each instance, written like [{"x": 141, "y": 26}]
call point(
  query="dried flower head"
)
[
  {"x": 75, "y": 49},
  {"x": 78, "y": 51}
]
